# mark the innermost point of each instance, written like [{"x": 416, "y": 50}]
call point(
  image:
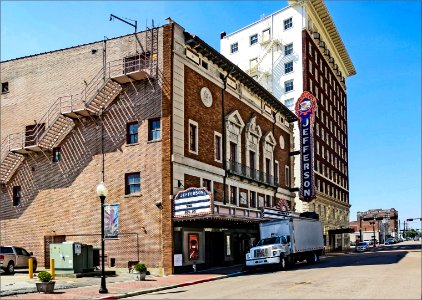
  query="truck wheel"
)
[
  {"x": 283, "y": 263},
  {"x": 34, "y": 266},
  {"x": 10, "y": 268}
]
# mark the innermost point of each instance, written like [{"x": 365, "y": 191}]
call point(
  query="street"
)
[{"x": 392, "y": 272}]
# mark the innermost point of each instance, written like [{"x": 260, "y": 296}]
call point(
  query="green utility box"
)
[{"x": 72, "y": 257}]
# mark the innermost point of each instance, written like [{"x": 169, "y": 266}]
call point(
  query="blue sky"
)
[{"x": 383, "y": 39}]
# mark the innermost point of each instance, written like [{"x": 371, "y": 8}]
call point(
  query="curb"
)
[{"x": 152, "y": 290}]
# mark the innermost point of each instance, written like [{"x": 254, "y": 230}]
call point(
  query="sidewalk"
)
[{"x": 119, "y": 289}]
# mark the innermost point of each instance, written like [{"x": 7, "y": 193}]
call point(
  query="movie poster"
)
[
  {"x": 111, "y": 221},
  {"x": 193, "y": 243}
]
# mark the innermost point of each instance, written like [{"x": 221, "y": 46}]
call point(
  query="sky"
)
[{"x": 383, "y": 39}]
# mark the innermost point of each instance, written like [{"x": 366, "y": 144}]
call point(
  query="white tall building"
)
[{"x": 296, "y": 49}]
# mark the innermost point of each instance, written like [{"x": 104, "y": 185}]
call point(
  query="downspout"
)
[
  {"x": 275, "y": 192},
  {"x": 223, "y": 131}
]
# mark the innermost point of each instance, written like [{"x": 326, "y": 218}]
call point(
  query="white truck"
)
[
  {"x": 12, "y": 258},
  {"x": 287, "y": 241}
]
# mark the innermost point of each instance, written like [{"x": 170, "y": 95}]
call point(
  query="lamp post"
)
[{"x": 102, "y": 193}]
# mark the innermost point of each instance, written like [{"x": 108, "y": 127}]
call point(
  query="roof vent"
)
[{"x": 223, "y": 35}]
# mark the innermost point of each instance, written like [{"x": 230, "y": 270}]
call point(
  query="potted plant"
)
[
  {"x": 140, "y": 271},
  {"x": 46, "y": 285}
]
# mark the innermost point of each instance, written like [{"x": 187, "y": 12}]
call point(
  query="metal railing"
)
[
  {"x": 66, "y": 104},
  {"x": 251, "y": 173}
]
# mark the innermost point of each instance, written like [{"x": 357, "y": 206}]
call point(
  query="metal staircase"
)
[
  {"x": 96, "y": 97},
  {"x": 10, "y": 161}
]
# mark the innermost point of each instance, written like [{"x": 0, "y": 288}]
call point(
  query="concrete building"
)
[
  {"x": 193, "y": 151},
  {"x": 384, "y": 222},
  {"x": 294, "y": 50}
]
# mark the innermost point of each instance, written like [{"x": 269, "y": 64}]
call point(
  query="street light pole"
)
[{"x": 102, "y": 193}]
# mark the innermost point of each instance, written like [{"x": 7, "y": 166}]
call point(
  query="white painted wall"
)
[{"x": 273, "y": 61}]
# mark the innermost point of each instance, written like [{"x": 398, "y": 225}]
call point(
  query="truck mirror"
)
[{"x": 30, "y": 253}]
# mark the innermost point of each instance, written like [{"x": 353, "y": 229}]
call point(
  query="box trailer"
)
[{"x": 287, "y": 241}]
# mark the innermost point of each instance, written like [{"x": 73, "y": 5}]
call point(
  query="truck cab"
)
[{"x": 268, "y": 251}]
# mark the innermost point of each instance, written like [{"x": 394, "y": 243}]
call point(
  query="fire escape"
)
[
  {"x": 59, "y": 120},
  {"x": 261, "y": 71}
]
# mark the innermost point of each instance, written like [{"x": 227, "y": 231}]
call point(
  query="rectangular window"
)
[
  {"x": 288, "y": 23},
  {"x": 276, "y": 172},
  {"x": 268, "y": 170},
  {"x": 252, "y": 166},
  {"x": 288, "y": 67},
  {"x": 4, "y": 87},
  {"x": 56, "y": 154},
  {"x": 288, "y": 49},
  {"x": 17, "y": 195},
  {"x": 132, "y": 133},
  {"x": 253, "y": 39},
  {"x": 289, "y": 103},
  {"x": 233, "y": 195},
  {"x": 193, "y": 137},
  {"x": 218, "y": 147},
  {"x": 154, "y": 130},
  {"x": 266, "y": 35},
  {"x": 206, "y": 183},
  {"x": 252, "y": 199},
  {"x": 267, "y": 200},
  {"x": 287, "y": 176},
  {"x": 288, "y": 86},
  {"x": 132, "y": 183},
  {"x": 234, "y": 48}
]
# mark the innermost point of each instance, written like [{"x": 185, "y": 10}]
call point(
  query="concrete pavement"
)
[{"x": 19, "y": 286}]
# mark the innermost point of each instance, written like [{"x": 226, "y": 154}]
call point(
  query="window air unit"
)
[{"x": 316, "y": 35}]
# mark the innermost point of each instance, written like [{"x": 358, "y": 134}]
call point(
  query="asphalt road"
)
[{"x": 392, "y": 272}]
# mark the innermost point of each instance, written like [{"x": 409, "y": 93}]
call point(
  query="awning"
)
[{"x": 341, "y": 230}]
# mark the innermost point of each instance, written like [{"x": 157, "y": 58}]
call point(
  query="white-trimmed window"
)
[
  {"x": 218, "y": 147},
  {"x": 233, "y": 195},
  {"x": 288, "y": 86},
  {"x": 234, "y": 47},
  {"x": 288, "y": 49},
  {"x": 193, "y": 137},
  {"x": 288, "y": 23},
  {"x": 253, "y": 39},
  {"x": 288, "y": 67},
  {"x": 276, "y": 172},
  {"x": 287, "y": 175},
  {"x": 289, "y": 103},
  {"x": 266, "y": 35}
]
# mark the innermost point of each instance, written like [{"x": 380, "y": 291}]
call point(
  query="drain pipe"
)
[
  {"x": 223, "y": 131},
  {"x": 275, "y": 192}
]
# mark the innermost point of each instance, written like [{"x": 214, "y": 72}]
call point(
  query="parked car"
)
[
  {"x": 416, "y": 238},
  {"x": 389, "y": 241},
  {"x": 12, "y": 258},
  {"x": 361, "y": 247}
]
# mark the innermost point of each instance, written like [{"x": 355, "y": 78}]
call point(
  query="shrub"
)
[
  {"x": 44, "y": 276},
  {"x": 140, "y": 267}
]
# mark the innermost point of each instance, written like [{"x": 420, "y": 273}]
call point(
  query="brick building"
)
[
  {"x": 293, "y": 50},
  {"x": 156, "y": 115},
  {"x": 384, "y": 222}
]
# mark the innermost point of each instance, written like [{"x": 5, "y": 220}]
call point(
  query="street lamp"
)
[{"x": 102, "y": 193}]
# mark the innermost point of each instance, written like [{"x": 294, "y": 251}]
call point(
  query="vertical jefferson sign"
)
[{"x": 305, "y": 110}]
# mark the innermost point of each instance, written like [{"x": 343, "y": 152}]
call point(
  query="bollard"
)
[
  {"x": 52, "y": 269},
  {"x": 30, "y": 268}
]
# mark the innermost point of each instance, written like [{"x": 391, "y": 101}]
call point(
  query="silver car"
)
[{"x": 362, "y": 247}]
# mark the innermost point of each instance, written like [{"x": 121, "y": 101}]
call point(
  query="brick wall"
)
[
  {"x": 209, "y": 121},
  {"x": 59, "y": 198}
]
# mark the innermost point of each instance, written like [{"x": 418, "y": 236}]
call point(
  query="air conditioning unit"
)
[
  {"x": 327, "y": 52},
  {"x": 316, "y": 35},
  {"x": 322, "y": 44}
]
